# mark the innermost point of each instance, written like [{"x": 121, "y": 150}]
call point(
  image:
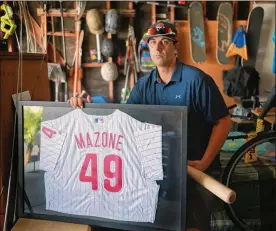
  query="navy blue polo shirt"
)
[{"x": 191, "y": 87}]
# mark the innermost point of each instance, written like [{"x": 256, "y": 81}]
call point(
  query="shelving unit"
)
[
  {"x": 129, "y": 13},
  {"x": 43, "y": 13},
  {"x": 73, "y": 12},
  {"x": 154, "y": 18}
]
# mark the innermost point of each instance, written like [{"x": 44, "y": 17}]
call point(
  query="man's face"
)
[{"x": 162, "y": 50}]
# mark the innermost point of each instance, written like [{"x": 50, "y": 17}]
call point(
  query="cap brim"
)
[{"x": 148, "y": 37}]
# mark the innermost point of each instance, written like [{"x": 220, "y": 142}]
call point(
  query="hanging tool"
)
[
  {"x": 76, "y": 73},
  {"x": 80, "y": 8},
  {"x": 132, "y": 34},
  {"x": 56, "y": 74},
  {"x": 80, "y": 35},
  {"x": 130, "y": 60},
  {"x": 131, "y": 47},
  {"x": 64, "y": 80},
  {"x": 55, "y": 70},
  {"x": 125, "y": 91},
  {"x": 131, "y": 54},
  {"x": 7, "y": 24},
  {"x": 95, "y": 26},
  {"x": 54, "y": 39}
]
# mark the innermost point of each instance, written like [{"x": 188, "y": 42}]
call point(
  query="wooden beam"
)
[
  {"x": 66, "y": 34},
  {"x": 110, "y": 83},
  {"x": 204, "y": 6},
  {"x": 172, "y": 14},
  {"x": 11, "y": 44},
  {"x": 88, "y": 65},
  {"x": 43, "y": 22},
  {"x": 153, "y": 14},
  {"x": 235, "y": 9},
  {"x": 131, "y": 71},
  {"x": 72, "y": 12}
]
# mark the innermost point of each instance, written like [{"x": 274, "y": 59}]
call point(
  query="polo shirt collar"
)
[{"x": 176, "y": 76}]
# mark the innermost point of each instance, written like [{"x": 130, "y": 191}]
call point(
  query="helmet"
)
[
  {"x": 94, "y": 21},
  {"x": 109, "y": 71},
  {"x": 112, "y": 21},
  {"x": 107, "y": 48}
]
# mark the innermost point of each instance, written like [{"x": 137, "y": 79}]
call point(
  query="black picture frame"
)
[{"x": 94, "y": 221}]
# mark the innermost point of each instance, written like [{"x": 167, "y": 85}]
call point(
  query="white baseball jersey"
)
[{"x": 103, "y": 166}]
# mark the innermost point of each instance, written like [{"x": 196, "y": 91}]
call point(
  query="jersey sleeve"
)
[
  {"x": 149, "y": 144},
  {"x": 51, "y": 144}
]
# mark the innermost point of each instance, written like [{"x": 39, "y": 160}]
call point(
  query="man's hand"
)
[
  {"x": 77, "y": 100},
  {"x": 198, "y": 164}
]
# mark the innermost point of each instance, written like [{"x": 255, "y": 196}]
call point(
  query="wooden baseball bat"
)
[{"x": 214, "y": 186}]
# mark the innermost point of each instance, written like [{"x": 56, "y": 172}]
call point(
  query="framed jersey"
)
[{"x": 109, "y": 165}]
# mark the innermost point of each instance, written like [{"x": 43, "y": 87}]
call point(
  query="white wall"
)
[{"x": 266, "y": 49}]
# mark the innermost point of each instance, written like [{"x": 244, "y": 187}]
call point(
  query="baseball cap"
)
[{"x": 165, "y": 29}]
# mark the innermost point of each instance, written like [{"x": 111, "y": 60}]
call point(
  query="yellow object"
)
[
  {"x": 251, "y": 155},
  {"x": 260, "y": 125},
  {"x": 238, "y": 44},
  {"x": 7, "y": 24},
  {"x": 233, "y": 50}
]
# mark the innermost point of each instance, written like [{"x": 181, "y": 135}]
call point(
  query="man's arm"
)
[
  {"x": 214, "y": 109},
  {"x": 218, "y": 136}
]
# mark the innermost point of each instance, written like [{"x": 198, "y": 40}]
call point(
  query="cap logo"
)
[{"x": 160, "y": 26}]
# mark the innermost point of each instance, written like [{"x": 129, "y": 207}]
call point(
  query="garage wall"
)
[
  {"x": 266, "y": 49},
  {"x": 94, "y": 83}
]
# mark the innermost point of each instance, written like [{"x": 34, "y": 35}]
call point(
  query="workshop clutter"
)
[
  {"x": 111, "y": 24},
  {"x": 97, "y": 25},
  {"x": 109, "y": 71},
  {"x": 8, "y": 26},
  {"x": 107, "y": 48},
  {"x": 112, "y": 21}
]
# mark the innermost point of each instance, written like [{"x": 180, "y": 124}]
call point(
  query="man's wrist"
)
[{"x": 206, "y": 161}]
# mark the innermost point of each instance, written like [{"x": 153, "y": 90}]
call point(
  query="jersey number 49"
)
[{"x": 113, "y": 179}]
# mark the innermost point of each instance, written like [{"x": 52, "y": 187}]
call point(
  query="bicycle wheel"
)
[{"x": 254, "y": 183}]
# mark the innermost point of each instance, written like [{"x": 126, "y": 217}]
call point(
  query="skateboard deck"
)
[
  {"x": 224, "y": 33},
  {"x": 253, "y": 33},
  {"x": 197, "y": 32}
]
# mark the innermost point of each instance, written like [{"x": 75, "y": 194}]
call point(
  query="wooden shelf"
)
[
  {"x": 92, "y": 65},
  {"x": 66, "y": 34},
  {"x": 88, "y": 65},
  {"x": 72, "y": 12}
]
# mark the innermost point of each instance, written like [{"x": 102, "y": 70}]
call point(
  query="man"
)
[{"x": 174, "y": 83}]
